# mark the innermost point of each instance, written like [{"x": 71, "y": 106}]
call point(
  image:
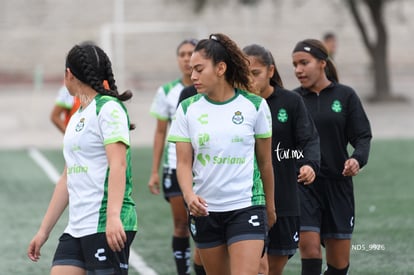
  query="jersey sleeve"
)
[
  {"x": 307, "y": 137},
  {"x": 113, "y": 123},
  {"x": 358, "y": 130},
  {"x": 179, "y": 131},
  {"x": 159, "y": 106},
  {"x": 263, "y": 127}
]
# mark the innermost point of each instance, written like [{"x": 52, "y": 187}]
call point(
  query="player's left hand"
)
[
  {"x": 115, "y": 234},
  {"x": 306, "y": 174},
  {"x": 351, "y": 167}
]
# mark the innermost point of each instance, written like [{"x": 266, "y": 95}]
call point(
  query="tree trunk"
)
[{"x": 377, "y": 50}]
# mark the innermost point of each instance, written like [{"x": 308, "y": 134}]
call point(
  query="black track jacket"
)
[
  {"x": 340, "y": 120},
  {"x": 295, "y": 142}
]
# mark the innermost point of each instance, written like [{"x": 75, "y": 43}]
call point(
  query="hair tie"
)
[
  {"x": 213, "y": 37},
  {"x": 105, "y": 84}
]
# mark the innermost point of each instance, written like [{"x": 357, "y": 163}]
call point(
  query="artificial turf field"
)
[{"x": 382, "y": 241}]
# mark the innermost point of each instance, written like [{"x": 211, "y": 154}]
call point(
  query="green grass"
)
[{"x": 384, "y": 195}]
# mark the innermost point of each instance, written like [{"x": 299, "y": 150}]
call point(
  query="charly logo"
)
[
  {"x": 203, "y": 119},
  {"x": 336, "y": 106},
  {"x": 100, "y": 254},
  {"x": 296, "y": 237},
  {"x": 282, "y": 115},
  {"x": 80, "y": 125},
  {"x": 254, "y": 220},
  {"x": 238, "y": 118},
  {"x": 203, "y": 159}
]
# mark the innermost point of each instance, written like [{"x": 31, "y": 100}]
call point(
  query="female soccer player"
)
[
  {"x": 163, "y": 109},
  {"x": 224, "y": 166},
  {"x": 328, "y": 208},
  {"x": 96, "y": 182},
  {"x": 295, "y": 154}
]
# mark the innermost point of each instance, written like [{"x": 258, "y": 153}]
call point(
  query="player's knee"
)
[
  {"x": 181, "y": 227},
  {"x": 310, "y": 250}
]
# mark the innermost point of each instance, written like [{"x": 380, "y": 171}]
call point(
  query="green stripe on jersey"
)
[
  {"x": 255, "y": 99},
  {"x": 188, "y": 101},
  {"x": 128, "y": 213},
  {"x": 258, "y": 196},
  {"x": 167, "y": 87}
]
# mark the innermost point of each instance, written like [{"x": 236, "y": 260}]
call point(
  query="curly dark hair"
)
[{"x": 220, "y": 48}]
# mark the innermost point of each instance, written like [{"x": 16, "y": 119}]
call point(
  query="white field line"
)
[{"x": 135, "y": 260}]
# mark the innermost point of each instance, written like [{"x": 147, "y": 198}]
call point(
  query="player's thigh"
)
[
  {"x": 215, "y": 260},
  {"x": 67, "y": 269},
  {"x": 245, "y": 256}
]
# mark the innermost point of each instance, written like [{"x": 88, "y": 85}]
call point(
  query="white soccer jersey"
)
[
  {"x": 223, "y": 136},
  {"x": 164, "y": 107},
  {"x": 64, "y": 98},
  {"x": 102, "y": 122}
]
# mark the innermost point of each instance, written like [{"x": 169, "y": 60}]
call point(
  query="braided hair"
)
[
  {"x": 220, "y": 48},
  {"x": 90, "y": 64}
]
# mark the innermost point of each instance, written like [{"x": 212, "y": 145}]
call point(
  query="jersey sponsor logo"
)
[
  {"x": 75, "y": 148},
  {"x": 228, "y": 160},
  {"x": 204, "y": 159},
  {"x": 282, "y": 153},
  {"x": 123, "y": 266},
  {"x": 282, "y": 115},
  {"x": 115, "y": 124},
  {"x": 99, "y": 254},
  {"x": 80, "y": 125},
  {"x": 115, "y": 114},
  {"x": 238, "y": 118},
  {"x": 203, "y": 139},
  {"x": 254, "y": 220},
  {"x": 203, "y": 119},
  {"x": 77, "y": 169},
  {"x": 336, "y": 106},
  {"x": 236, "y": 139}
]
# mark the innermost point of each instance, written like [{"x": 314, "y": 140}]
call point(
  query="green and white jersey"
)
[
  {"x": 64, "y": 98},
  {"x": 103, "y": 121},
  {"x": 164, "y": 107},
  {"x": 222, "y": 135}
]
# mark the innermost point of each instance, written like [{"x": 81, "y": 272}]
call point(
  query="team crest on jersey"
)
[
  {"x": 80, "y": 125},
  {"x": 238, "y": 118},
  {"x": 336, "y": 106},
  {"x": 282, "y": 115}
]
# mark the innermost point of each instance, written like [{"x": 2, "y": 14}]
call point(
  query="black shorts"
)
[
  {"x": 283, "y": 237},
  {"x": 328, "y": 207},
  {"x": 170, "y": 185},
  {"x": 93, "y": 254},
  {"x": 229, "y": 227}
]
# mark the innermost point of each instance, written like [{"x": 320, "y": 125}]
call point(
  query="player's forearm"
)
[
  {"x": 57, "y": 205},
  {"x": 116, "y": 189}
]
